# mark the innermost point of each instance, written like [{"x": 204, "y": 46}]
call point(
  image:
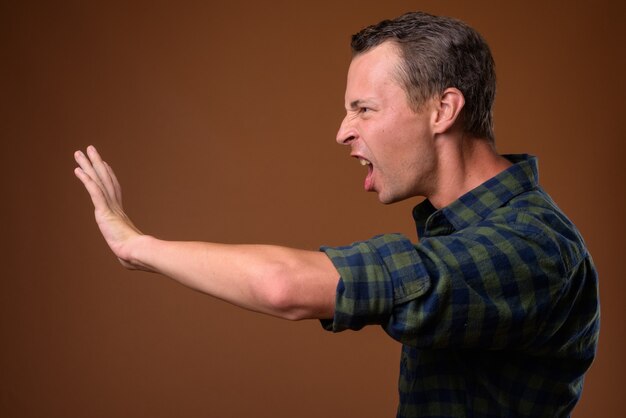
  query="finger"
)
[
  {"x": 100, "y": 168},
  {"x": 96, "y": 193},
  {"x": 116, "y": 183},
  {"x": 87, "y": 167}
]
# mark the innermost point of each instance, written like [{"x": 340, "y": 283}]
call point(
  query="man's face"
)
[{"x": 384, "y": 133}]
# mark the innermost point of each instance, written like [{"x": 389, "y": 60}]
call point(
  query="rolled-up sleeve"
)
[{"x": 375, "y": 275}]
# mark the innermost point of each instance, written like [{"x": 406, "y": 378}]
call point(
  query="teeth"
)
[{"x": 364, "y": 162}]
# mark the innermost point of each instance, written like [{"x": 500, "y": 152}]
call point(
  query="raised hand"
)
[{"x": 106, "y": 195}]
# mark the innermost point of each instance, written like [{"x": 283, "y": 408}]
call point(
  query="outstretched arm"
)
[{"x": 280, "y": 281}]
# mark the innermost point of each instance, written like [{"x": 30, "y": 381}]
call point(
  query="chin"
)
[{"x": 389, "y": 198}]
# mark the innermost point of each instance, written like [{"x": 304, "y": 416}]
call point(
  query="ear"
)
[{"x": 448, "y": 109}]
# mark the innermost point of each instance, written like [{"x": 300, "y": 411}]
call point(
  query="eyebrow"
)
[{"x": 356, "y": 103}]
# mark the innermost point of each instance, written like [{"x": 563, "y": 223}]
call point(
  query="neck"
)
[{"x": 463, "y": 164}]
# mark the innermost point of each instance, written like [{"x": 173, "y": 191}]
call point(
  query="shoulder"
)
[{"x": 534, "y": 219}]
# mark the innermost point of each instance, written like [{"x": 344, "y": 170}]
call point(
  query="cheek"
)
[{"x": 395, "y": 142}]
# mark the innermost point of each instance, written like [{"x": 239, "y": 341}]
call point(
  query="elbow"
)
[
  {"x": 281, "y": 306},
  {"x": 281, "y": 295}
]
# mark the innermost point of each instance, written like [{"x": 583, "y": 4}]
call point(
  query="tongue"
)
[{"x": 369, "y": 181}]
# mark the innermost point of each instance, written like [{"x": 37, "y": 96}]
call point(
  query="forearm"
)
[{"x": 280, "y": 281}]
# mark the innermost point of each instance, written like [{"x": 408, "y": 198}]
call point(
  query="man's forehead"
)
[
  {"x": 372, "y": 72},
  {"x": 387, "y": 54}
]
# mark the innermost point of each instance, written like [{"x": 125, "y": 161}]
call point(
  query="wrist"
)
[{"x": 137, "y": 252}]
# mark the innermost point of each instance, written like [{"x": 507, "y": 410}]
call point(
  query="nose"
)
[{"x": 346, "y": 133}]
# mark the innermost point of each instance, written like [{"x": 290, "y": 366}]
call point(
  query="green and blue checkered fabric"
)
[{"x": 496, "y": 307}]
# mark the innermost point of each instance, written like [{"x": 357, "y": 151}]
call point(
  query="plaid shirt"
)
[{"x": 496, "y": 306}]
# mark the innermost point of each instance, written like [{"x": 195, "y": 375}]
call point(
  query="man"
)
[{"x": 496, "y": 306}]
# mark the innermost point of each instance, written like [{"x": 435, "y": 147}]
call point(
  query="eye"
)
[{"x": 364, "y": 109}]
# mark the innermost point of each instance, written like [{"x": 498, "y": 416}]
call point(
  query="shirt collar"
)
[{"x": 478, "y": 203}]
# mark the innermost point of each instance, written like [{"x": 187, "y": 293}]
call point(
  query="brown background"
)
[{"x": 219, "y": 118}]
